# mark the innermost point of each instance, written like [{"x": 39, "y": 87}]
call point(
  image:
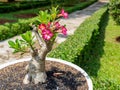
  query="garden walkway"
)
[{"x": 72, "y": 23}]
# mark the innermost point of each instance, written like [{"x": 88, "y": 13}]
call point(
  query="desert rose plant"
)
[{"x": 45, "y": 32}]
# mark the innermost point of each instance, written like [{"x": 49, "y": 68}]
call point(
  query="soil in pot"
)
[{"x": 60, "y": 77}]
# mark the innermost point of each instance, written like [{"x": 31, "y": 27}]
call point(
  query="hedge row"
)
[
  {"x": 9, "y": 30},
  {"x": 81, "y": 6},
  {"x": 5, "y": 8},
  {"x": 71, "y": 48},
  {"x": 114, "y": 9}
]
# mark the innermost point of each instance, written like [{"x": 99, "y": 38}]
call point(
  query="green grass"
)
[
  {"x": 110, "y": 61},
  {"x": 103, "y": 64},
  {"x": 23, "y": 25},
  {"x": 10, "y": 16}
]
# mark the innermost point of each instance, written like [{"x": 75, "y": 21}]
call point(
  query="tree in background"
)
[{"x": 114, "y": 10}]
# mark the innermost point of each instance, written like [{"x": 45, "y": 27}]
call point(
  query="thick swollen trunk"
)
[{"x": 36, "y": 68}]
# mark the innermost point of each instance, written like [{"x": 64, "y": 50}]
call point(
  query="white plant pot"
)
[{"x": 89, "y": 81}]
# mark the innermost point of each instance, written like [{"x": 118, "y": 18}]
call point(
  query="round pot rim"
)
[{"x": 89, "y": 81}]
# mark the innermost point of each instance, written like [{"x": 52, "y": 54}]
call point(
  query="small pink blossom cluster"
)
[
  {"x": 63, "y": 14},
  {"x": 50, "y": 29}
]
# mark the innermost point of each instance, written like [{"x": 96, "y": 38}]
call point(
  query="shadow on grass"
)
[{"x": 89, "y": 58}]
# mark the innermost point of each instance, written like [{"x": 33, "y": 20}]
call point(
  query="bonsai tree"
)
[{"x": 45, "y": 32}]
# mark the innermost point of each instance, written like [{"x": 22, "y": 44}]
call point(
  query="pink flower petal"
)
[
  {"x": 64, "y": 30},
  {"x": 63, "y": 13},
  {"x": 48, "y": 25},
  {"x": 57, "y": 25},
  {"x": 47, "y": 34},
  {"x": 42, "y": 26}
]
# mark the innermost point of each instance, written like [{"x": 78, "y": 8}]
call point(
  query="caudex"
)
[{"x": 45, "y": 33}]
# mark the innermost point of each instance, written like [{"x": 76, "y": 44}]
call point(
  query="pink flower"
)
[
  {"x": 64, "y": 30},
  {"x": 48, "y": 25},
  {"x": 42, "y": 26},
  {"x": 47, "y": 34},
  {"x": 57, "y": 25},
  {"x": 63, "y": 13}
]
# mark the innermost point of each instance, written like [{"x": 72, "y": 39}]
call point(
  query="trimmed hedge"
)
[
  {"x": 9, "y": 30},
  {"x": 80, "y": 6},
  {"x": 71, "y": 48},
  {"x": 114, "y": 10},
  {"x": 5, "y": 8}
]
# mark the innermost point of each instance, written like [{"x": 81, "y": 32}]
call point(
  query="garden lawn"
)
[
  {"x": 110, "y": 61},
  {"x": 23, "y": 25},
  {"x": 11, "y": 15},
  {"x": 103, "y": 65},
  {"x": 77, "y": 6},
  {"x": 94, "y": 48}
]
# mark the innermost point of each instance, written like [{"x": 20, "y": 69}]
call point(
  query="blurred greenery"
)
[
  {"x": 114, "y": 9},
  {"x": 108, "y": 74},
  {"x": 73, "y": 7},
  {"x": 99, "y": 57},
  {"x": 9, "y": 30}
]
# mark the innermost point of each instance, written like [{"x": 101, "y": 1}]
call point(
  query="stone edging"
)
[{"x": 89, "y": 81}]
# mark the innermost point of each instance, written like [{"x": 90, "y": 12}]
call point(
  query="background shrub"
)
[
  {"x": 3, "y": 32},
  {"x": 80, "y": 6},
  {"x": 71, "y": 48},
  {"x": 10, "y": 7},
  {"x": 114, "y": 9},
  {"x": 9, "y": 30},
  {"x": 23, "y": 25}
]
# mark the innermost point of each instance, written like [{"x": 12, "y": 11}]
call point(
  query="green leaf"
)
[
  {"x": 22, "y": 41},
  {"x": 15, "y": 51},
  {"x": 44, "y": 17},
  {"x": 17, "y": 45},
  {"x": 11, "y": 43},
  {"x": 54, "y": 11},
  {"x": 23, "y": 37},
  {"x": 27, "y": 36},
  {"x": 28, "y": 39}
]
